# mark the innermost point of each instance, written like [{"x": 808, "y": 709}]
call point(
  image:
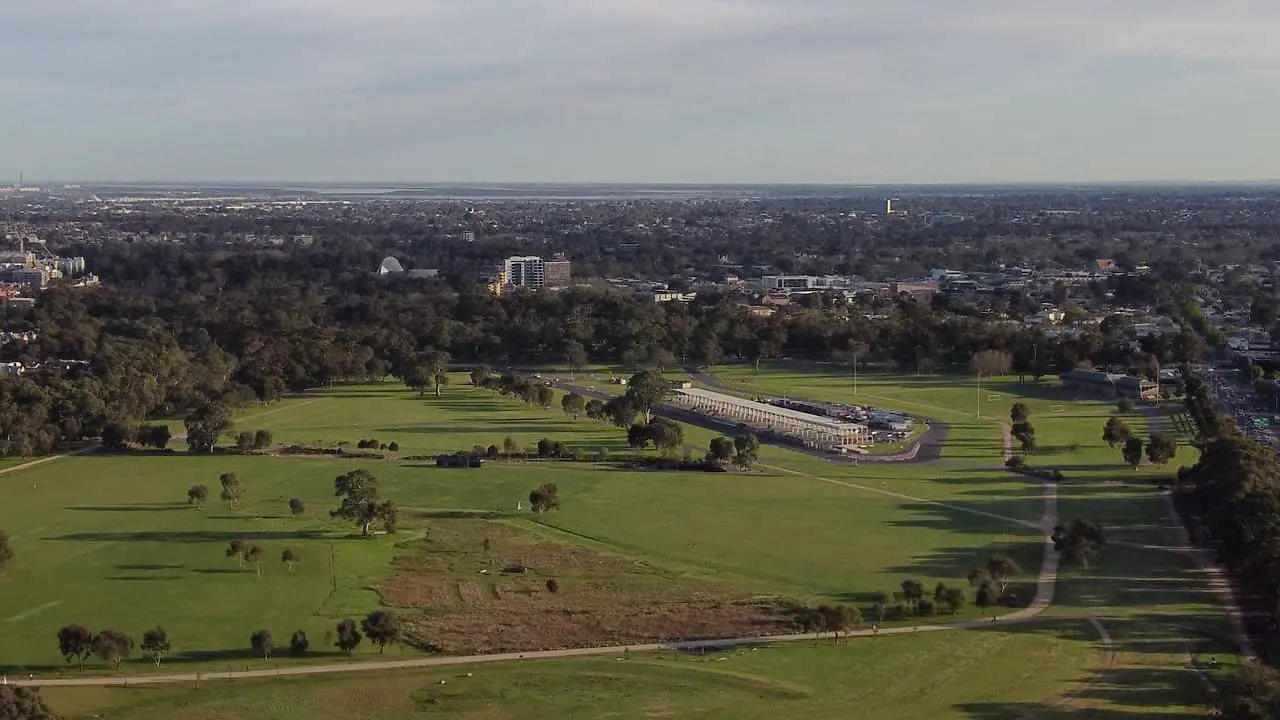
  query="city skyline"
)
[{"x": 619, "y": 91}]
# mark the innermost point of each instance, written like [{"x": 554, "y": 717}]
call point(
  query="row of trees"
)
[
  {"x": 173, "y": 344},
  {"x": 244, "y": 552},
  {"x": 381, "y": 627},
  {"x": 989, "y": 584},
  {"x": 118, "y": 436},
  {"x": 76, "y": 643},
  {"x": 666, "y": 435},
  {"x": 1159, "y": 448},
  {"x": 742, "y": 450},
  {"x": 1231, "y": 497}
]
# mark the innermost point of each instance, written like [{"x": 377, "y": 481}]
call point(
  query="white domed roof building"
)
[{"x": 390, "y": 265}]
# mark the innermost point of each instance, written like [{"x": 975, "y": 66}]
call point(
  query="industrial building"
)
[{"x": 824, "y": 433}]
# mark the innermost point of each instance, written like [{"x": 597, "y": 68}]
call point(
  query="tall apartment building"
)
[
  {"x": 525, "y": 271},
  {"x": 534, "y": 272}
]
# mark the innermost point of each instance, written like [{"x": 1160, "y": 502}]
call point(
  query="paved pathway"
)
[
  {"x": 49, "y": 459},
  {"x": 1218, "y": 578}
]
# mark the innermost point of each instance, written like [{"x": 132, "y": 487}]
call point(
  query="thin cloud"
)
[{"x": 175, "y": 71}]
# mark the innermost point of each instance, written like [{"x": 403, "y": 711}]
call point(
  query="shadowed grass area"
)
[{"x": 867, "y": 678}]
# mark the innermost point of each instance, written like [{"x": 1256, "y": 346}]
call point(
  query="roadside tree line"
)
[{"x": 77, "y": 644}]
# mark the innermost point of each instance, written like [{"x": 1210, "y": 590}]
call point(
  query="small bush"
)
[
  {"x": 393, "y": 446},
  {"x": 553, "y": 586},
  {"x": 298, "y": 644}
]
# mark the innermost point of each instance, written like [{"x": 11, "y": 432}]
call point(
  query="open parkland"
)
[{"x": 651, "y": 567}]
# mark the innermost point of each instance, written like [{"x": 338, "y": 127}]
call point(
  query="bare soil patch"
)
[{"x": 457, "y": 597}]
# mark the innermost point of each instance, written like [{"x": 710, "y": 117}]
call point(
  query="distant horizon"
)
[{"x": 414, "y": 184}]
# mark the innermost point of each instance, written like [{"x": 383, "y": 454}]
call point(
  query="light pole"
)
[{"x": 979, "y": 414}]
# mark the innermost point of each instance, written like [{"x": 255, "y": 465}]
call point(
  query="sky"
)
[{"x": 700, "y": 91}]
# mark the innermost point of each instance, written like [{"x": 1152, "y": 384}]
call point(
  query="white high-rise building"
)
[{"x": 525, "y": 271}]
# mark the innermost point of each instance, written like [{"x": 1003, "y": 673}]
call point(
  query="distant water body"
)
[{"x": 606, "y": 192}]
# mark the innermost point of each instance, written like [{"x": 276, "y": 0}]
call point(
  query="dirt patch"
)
[{"x": 469, "y": 605}]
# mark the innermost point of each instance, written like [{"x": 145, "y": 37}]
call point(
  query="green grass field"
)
[
  {"x": 1068, "y": 427},
  {"x": 109, "y": 541},
  {"x": 985, "y": 674}
]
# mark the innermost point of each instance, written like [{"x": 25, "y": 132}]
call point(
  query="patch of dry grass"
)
[{"x": 466, "y": 604}]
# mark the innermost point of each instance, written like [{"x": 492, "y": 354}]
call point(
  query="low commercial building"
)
[
  {"x": 557, "y": 273},
  {"x": 824, "y": 433},
  {"x": 1109, "y": 385}
]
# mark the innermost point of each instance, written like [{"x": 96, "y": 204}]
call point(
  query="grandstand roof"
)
[{"x": 827, "y": 423}]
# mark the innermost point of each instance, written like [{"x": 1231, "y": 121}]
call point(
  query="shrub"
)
[
  {"x": 393, "y": 446},
  {"x": 1015, "y": 461},
  {"x": 552, "y": 585},
  {"x": 261, "y": 439},
  {"x": 298, "y": 644}
]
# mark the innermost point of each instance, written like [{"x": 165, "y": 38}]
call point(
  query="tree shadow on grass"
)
[
  {"x": 171, "y": 536},
  {"x": 493, "y": 430},
  {"x": 222, "y": 571},
  {"x": 388, "y": 395},
  {"x": 149, "y": 567},
  {"x": 133, "y": 507},
  {"x": 241, "y": 656},
  {"x": 1020, "y": 711},
  {"x": 955, "y": 563},
  {"x": 459, "y": 515},
  {"x": 144, "y": 578}
]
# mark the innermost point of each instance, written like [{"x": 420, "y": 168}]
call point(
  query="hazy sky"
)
[{"x": 855, "y": 91}]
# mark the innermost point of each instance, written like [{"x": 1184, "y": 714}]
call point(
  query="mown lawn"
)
[
  {"x": 109, "y": 541},
  {"x": 968, "y": 675}
]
